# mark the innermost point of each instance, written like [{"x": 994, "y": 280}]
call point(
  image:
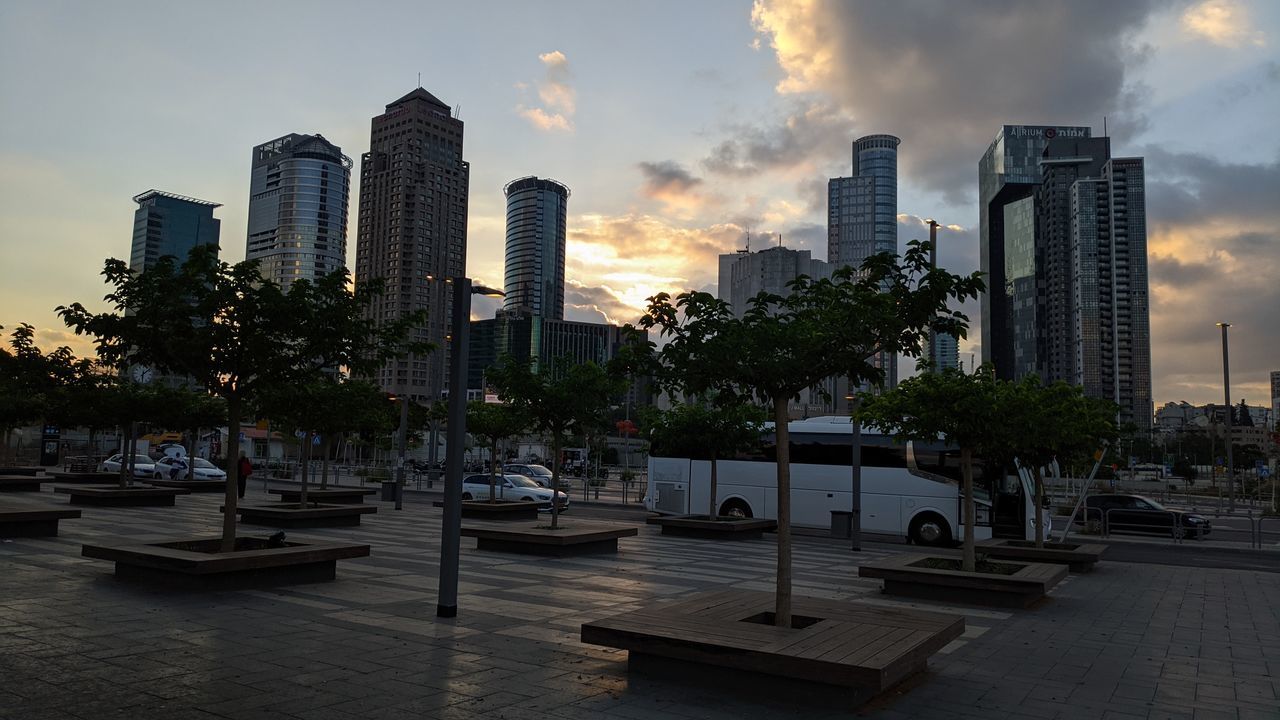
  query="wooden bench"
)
[
  {"x": 116, "y": 496},
  {"x": 28, "y": 471},
  {"x": 195, "y": 564},
  {"x": 835, "y": 645},
  {"x": 293, "y": 515},
  {"x": 702, "y": 526},
  {"x": 1078, "y": 557},
  {"x": 333, "y": 496},
  {"x": 500, "y": 510},
  {"x": 195, "y": 486},
  {"x": 20, "y": 483},
  {"x": 903, "y": 575},
  {"x": 33, "y": 521},
  {"x": 577, "y": 537},
  {"x": 84, "y": 477}
]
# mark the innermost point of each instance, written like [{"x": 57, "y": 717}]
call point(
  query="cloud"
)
[
  {"x": 946, "y": 93},
  {"x": 811, "y": 132},
  {"x": 598, "y": 303},
  {"x": 670, "y": 183},
  {"x": 1222, "y": 22},
  {"x": 558, "y": 98}
]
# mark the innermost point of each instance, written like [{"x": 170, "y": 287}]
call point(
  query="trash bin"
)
[
  {"x": 389, "y": 490},
  {"x": 841, "y": 523}
]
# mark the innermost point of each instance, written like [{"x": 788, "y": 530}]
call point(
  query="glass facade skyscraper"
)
[
  {"x": 537, "y": 217},
  {"x": 169, "y": 224},
  {"x": 298, "y": 192}
]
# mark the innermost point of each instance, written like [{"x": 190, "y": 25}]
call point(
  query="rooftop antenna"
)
[
  {"x": 779, "y": 239},
  {"x": 1104, "y": 126},
  {"x": 748, "y": 248},
  {"x": 419, "y": 79}
]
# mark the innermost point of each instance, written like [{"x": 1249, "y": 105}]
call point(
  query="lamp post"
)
[
  {"x": 455, "y": 436},
  {"x": 1226, "y": 393},
  {"x": 855, "y": 428},
  {"x": 402, "y": 439},
  {"x": 933, "y": 265}
]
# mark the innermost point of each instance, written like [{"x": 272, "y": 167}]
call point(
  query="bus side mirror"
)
[{"x": 1045, "y": 502}]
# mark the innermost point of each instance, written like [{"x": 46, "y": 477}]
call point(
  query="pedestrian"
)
[{"x": 244, "y": 470}]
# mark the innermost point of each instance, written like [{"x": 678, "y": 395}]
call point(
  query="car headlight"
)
[{"x": 1194, "y": 520}]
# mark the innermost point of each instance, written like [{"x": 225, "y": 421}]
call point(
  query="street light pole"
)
[
  {"x": 933, "y": 265},
  {"x": 855, "y": 441},
  {"x": 1226, "y": 392},
  {"x": 402, "y": 441}
]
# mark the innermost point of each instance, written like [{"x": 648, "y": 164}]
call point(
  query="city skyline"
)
[{"x": 737, "y": 127}]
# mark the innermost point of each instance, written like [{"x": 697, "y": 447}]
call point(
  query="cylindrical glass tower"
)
[
  {"x": 537, "y": 215},
  {"x": 877, "y": 156}
]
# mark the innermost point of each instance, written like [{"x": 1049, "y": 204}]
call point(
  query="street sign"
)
[{"x": 315, "y": 439}]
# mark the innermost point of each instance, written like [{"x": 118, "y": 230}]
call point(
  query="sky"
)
[{"x": 679, "y": 127}]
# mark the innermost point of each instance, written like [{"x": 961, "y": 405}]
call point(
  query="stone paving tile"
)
[{"x": 1127, "y": 641}]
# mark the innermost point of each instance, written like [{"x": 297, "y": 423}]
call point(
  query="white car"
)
[
  {"x": 537, "y": 473},
  {"x": 143, "y": 466},
  {"x": 511, "y": 487},
  {"x": 171, "y": 468}
]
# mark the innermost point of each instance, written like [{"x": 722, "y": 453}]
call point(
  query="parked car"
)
[
  {"x": 511, "y": 487},
  {"x": 143, "y": 466},
  {"x": 536, "y": 473},
  {"x": 1138, "y": 514},
  {"x": 171, "y": 468}
]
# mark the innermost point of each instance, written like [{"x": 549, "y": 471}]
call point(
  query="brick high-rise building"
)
[{"x": 413, "y": 229}]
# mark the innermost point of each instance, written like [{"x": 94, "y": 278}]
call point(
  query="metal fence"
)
[{"x": 1169, "y": 523}]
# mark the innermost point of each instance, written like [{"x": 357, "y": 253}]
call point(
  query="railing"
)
[
  {"x": 1262, "y": 521},
  {"x": 1162, "y": 522}
]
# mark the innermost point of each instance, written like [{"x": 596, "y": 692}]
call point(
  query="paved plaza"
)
[{"x": 1128, "y": 641}]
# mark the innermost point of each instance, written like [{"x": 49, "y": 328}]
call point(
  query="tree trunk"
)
[
  {"x": 970, "y": 561},
  {"x": 711, "y": 512},
  {"x": 493, "y": 470},
  {"x": 324, "y": 463},
  {"x": 1039, "y": 508},
  {"x": 304, "y": 464},
  {"x": 231, "y": 496},
  {"x": 126, "y": 461},
  {"x": 782, "y": 438},
  {"x": 191, "y": 453},
  {"x": 555, "y": 481}
]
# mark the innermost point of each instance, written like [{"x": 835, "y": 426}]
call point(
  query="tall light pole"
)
[
  {"x": 933, "y": 265},
  {"x": 402, "y": 440},
  {"x": 455, "y": 436},
  {"x": 1226, "y": 393},
  {"x": 855, "y": 485}
]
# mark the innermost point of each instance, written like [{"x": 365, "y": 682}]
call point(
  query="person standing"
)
[{"x": 244, "y": 470}]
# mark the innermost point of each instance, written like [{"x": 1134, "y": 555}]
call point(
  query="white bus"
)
[{"x": 910, "y": 490}]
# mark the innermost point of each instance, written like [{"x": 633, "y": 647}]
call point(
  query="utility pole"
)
[
  {"x": 933, "y": 265},
  {"x": 1226, "y": 391}
]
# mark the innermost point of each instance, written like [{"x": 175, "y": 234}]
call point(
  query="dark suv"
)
[{"x": 1138, "y": 514}]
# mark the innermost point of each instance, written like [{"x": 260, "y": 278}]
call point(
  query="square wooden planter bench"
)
[
  {"x": 195, "y": 486},
  {"x": 532, "y": 538},
  {"x": 702, "y": 526},
  {"x": 20, "y": 483},
  {"x": 37, "y": 521},
  {"x": 116, "y": 496},
  {"x": 293, "y": 515},
  {"x": 85, "y": 477},
  {"x": 332, "y": 496},
  {"x": 20, "y": 470},
  {"x": 1010, "y": 584},
  {"x": 195, "y": 564},
  {"x": 834, "y": 651},
  {"x": 500, "y": 510},
  {"x": 1079, "y": 557}
]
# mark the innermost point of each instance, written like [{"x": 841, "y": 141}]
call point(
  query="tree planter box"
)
[
  {"x": 195, "y": 564},
  {"x": 835, "y": 650},
  {"x": 293, "y": 515},
  {"x": 500, "y": 510},
  {"x": 20, "y": 483},
  {"x": 702, "y": 526},
  {"x": 195, "y": 486},
  {"x": 576, "y": 538},
  {"x": 20, "y": 470},
  {"x": 334, "y": 496},
  {"x": 85, "y": 477},
  {"x": 33, "y": 521},
  {"x": 116, "y": 496},
  {"x": 1079, "y": 557},
  {"x": 907, "y": 575}
]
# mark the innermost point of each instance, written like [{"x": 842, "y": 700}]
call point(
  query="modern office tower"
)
[
  {"x": 1008, "y": 175},
  {"x": 946, "y": 351},
  {"x": 298, "y": 192},
  {"x": 1275, "y": 399},
  {"x": 743, "y": 274},
  {"x": 168, "y": 224},
  {"x": 412, "y": 229},
  {"x": 537, "y": 214},
  {"x": 862, "y": 220}
]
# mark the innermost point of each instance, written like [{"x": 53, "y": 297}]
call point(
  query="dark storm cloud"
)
[
  {"x": 667, "y": 176},
  {"x": 1187, "y": 187},
  {"x": 945, "y": 76},
  {"x": 807, "y": 133}
]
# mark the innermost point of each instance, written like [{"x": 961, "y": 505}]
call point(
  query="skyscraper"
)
[
  {"x": 537, "y": 214},
  {"x": 413, "y": 229},
  {"x": 168, "y": 224},
  {"x": 743, "y": 275},
  {"x": 862, "y": 219},
  {"x": 298, "y": 192}
]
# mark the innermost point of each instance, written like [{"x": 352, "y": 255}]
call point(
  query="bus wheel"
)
[
  {"x": 735, "y": 509},
  {"x": 930, "y": 529}
]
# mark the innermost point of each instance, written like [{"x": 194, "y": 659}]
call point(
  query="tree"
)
[
  {"x": 559, "y": 398},
  {"x": 966, "y": 410},
  {"x": 707, "y": 431},
  {"x": 783, "y": 345},
  {"x": 494, "y": 423},
  {"x": 234, "y": 333},
  {"x": 1048, "y": 421},
  {"x": 25, "y": 382}
]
